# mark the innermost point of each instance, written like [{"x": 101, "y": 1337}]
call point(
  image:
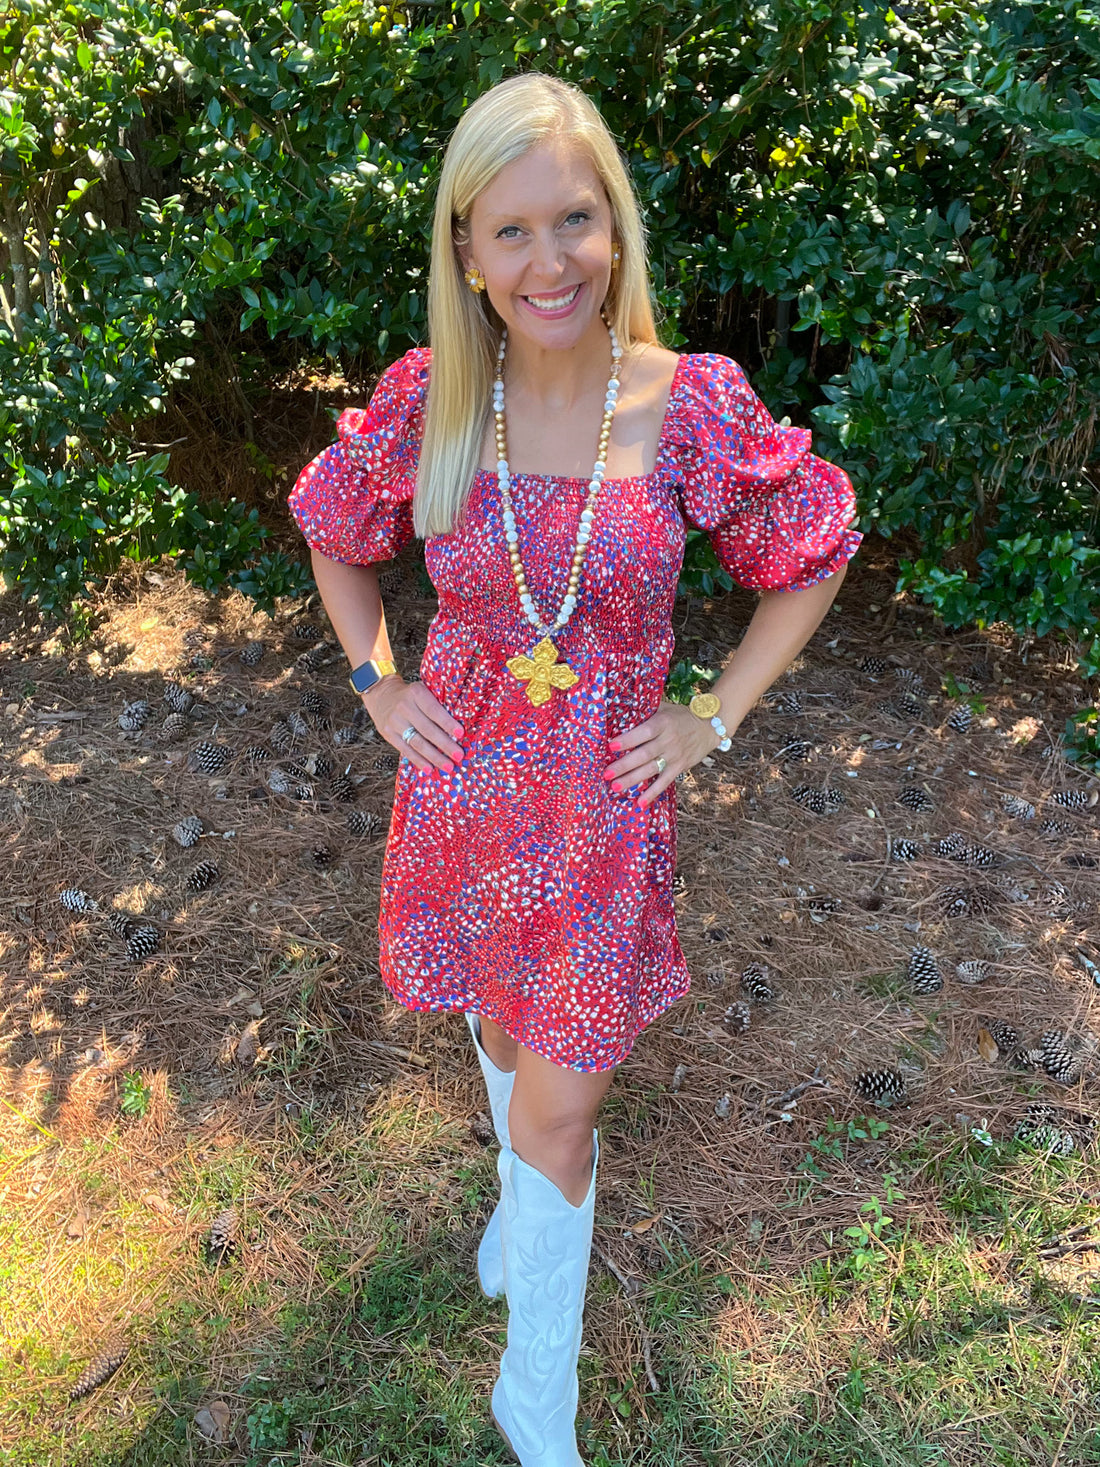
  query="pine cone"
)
[
  {"x": 322, "y": 856},
  {"x": 755, "y": 980},
  {"x": 790, "y": 703},
  {"x": 881, "y": 1087},
  {"x": 281, "y": 736},
  {"x": 310, "y": 701},
  {"x": 279, "y": 782},
  {"x": 1074, "y": 799},
  {"x": 819, "y": 801},
  {"x": 315, "y": 658},
  {"x": 252, "y": 653},
  {"x": 1023, "y": 1058},
  {"x": 1004, "y": 1036},
  {"x": 909, "y": 679},
  {"x": 204, "y": 875},
  {"x": 208, "y": 758},
  {"x": 875, "y": 666},
  {"x": 173, "y": 727},
  {"x": 257, "y": 753},
  {"x": 716, "y": 976},
  {"x": 907, "y": 705},
  {"x": 342, "y": 789},
  {"x": 973, "y": 970},
  {"x": 951, "y": 847},
  {"x": 73, "y": 899},
  {"x": 961, "y": 719},
  {"x": 387, "y": 762},
  {"x": 362, "y": 822},
  {"x": 135, "y": 715},
  {"x": 968, "y": 901},
  {"x": 304, "y": 792},
  {"x": 142, "y": 942},
  {"x": 1057, "y": 828},
  {"x": 1059, "y": 1061},
  {"x": 924, "y": 971},
  {"x": 305, "y": 631},
  {"x": 1017, "y": 807},
  {"x": 737, "y": 1018},
  {"x": 905, "y": 850},
  {"x": 299, "y": 728},
  {"x": 346, "y": 735},
  {"x": 796, "y": 752},
  {"x": 179, "y": 700},
  {"x": 98, "y": 1371},
  {"x": 1038, "y": 1127},
  {"x": 968, "y": 855},
  {"x": 915, "y": 798},
  {"x": 223, "y": 1232},
  {"x": 121, "y": 924},
  {"x": 824, "y": 906},
  {"x": 187, "y": 832}
]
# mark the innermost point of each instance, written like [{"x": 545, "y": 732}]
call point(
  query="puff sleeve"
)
[
  {"x": 353, "y": 502},
  {"x": 779, "y": 518}
]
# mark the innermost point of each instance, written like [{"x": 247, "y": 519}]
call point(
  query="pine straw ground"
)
[{"x": 731, "y": 1318}]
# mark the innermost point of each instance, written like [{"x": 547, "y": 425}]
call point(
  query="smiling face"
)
[{"x": 541, "y": 234}]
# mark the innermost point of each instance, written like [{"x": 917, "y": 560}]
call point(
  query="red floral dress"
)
[{"x": 521, "y": 886}]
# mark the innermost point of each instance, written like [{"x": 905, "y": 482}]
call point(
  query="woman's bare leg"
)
[
  {"x": 499, "y": 1046},
  {"x": 551, "y": 1119}
]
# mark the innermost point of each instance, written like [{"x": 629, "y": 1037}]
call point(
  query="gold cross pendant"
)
[{"x": 542, "y": 672}]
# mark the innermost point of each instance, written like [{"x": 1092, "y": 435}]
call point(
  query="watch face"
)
[{"x": 705, "y": 705}]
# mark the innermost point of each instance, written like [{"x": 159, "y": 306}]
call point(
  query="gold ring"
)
[{"x": 661, "y": 762}]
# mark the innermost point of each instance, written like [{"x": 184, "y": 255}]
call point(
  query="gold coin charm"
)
[
  {"x": 705, "y": 705},
  {"x": 542, "y": 672}
]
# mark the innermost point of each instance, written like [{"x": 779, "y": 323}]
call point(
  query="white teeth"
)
[{"x": 553, "y": 305}]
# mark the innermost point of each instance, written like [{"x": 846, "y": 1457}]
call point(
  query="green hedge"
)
[{"x": 888, "y": 215}]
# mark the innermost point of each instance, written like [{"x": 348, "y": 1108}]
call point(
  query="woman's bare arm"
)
[
  {"x": 354, "y": 604},
  {"x": 784, "y": 621}
]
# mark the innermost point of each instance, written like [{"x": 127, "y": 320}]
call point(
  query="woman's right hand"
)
[{"x": 395, "y": 705}]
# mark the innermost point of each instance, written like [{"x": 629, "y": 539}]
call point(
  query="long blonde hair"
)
[{"x": 498, "y": 128}]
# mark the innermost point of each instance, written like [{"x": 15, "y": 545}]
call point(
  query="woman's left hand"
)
[{"x": 673, "y": 734}]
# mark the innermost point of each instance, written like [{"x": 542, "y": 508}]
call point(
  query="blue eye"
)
[
  {"x": 503, "y": 233},
  {"x": 578, "y": 214}
]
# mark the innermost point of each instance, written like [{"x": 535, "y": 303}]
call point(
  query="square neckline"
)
[{"x": 618, "y": 478}]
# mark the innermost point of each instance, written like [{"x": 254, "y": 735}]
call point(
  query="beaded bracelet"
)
[{"x": 706, "y": 705}]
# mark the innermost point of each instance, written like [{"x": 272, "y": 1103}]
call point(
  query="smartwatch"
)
[{"x": 368, "y": 673}]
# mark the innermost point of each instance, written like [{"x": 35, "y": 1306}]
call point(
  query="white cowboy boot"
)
[
  {"x": 547, "y": 1243},
  {"x": 499, "y": 1083}
]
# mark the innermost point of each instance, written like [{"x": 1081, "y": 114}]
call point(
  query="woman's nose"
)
[{"x": 547, "y": 260}]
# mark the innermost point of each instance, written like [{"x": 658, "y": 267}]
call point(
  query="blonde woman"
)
[{"x": 551, "y": 453}]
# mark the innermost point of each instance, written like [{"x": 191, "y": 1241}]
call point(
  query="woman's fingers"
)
[
  {"x": 637, "y": 749},
  {"x": 432, "y": 745},
  {"x": 442, "y": 729},
  {"x": 672, "y": 735},
  {"x": 662, "y": 782}
]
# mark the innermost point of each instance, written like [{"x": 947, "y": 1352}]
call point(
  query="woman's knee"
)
[{"x": 555, "y": 1106}]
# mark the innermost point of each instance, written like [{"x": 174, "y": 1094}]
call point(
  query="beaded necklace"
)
[{"x": 542, "y": 672}]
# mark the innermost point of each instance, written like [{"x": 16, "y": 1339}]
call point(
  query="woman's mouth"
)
[{"x": 552, "y": 305}]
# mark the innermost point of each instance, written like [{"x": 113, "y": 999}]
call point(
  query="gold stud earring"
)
[{"x": 475, "y": 280}]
